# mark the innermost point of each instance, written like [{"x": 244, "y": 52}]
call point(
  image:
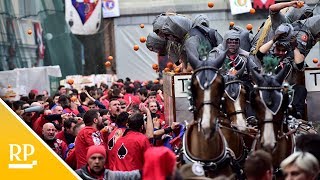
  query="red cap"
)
[
  {"x": 159, "y": 163},
  {"x": 96, "y": 149}
]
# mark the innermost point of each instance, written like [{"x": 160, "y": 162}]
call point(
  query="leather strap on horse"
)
[
  {"x": 265, "y": 31},
  {"x": 237, "y": 131}
]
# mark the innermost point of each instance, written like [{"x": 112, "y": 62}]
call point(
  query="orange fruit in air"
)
[
  {"x": 110, "y": 58},
  {"x": 176, "y": 70},
  {"x": 156, "y": 81},
  {"x": 166, "y": 69},
  {"x": 155, "y": 66},
  {"x": 300, "y": 4},
  {"x": 70, "y": 81},
  {"x": 210, "y": 4},
  {"x": 73, "y": 98},
  {"x": 231, "y": 23},
  {"x": 249, "y": 27},
  {"x": 107, "y": 64},
  {"x": 136, "y": 47},
  {"x": 142, "y": 39},
  {"x": 29, "y": 32},
  {"x": 142, "y": 25},
  {"x": 315, "y": 60},
  {"x": 169, "y": 65},
  {"x": 252, "y": 11}
]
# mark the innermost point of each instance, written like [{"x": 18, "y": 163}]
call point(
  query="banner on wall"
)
[
  {"x": 110, "y": 8},
  {"x": 240, "y": 6},
  {"x": 83, "y": 16}
]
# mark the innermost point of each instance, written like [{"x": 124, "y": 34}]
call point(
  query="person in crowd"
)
[
  {"x": 94, "y": 168},
  {"x": 71, "y": 159},
  {"x": 49, "y": 136},
  {"x": 67, "y": 135},
  {"x": 160, "y": 164},
  {"x": 67, "y": 105},
  {"x": 123, "y": 105},
  {"x": 55, "y": 98},
  {"x": 258, "y": 166},
  {"x": 143, "y": 94},
  {"x": 131, "y": 146},
  {"x": 62, "y": 90},
  {"x": 57, "y": 109},
  {"x": 27, "y": 113},
  {"x": 117, "y": 132},
  {"x": 129, "y": 96},
  {"x": 89, "y": 135},
  {"x": 192, "y": 171},
  {"x": 309, "y": 143},
  {"x": 104, "y": 87},
  {"x": 114, "y": 109},
  {"x": 300, "y": 165},
  {"x": 48, "y": 116},
  {"x": 95, "y": 101}
]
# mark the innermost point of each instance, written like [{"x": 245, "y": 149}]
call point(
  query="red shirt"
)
[
  {"x": 87, "y": 137},
  {"x": 38, "y": 124},
  {"x": 68, "y": 110},
  {"x": 129, "y": 151},
  {"x": 105, "y": 102},
  {"x": 71, "y": 159},
  {"x": 58, "y": 147},
  {"x": 131, "y": 98},
  {"x": 60, "y": 135},
  {"x": 86, "y": 108},
  {"x": 111, "y": 141}
]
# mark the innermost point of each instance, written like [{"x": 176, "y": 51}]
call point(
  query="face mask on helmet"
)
[{"x": 233, "y": 45}]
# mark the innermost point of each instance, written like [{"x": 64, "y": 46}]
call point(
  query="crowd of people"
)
[
  {"x": 115, "y": 132},
  {"x": 120, "y": 132}
]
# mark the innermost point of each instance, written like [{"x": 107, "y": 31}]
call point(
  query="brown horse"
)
[
  {"x": 270, "y": 105},
  {"x": 203, "y": 141},
  {"x": 234, "y": 126}
]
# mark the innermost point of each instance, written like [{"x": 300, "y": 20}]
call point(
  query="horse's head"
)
[
  {"x": 267, "y": 101},
  {"x": 234, "y": 101},
  {"x": 207, "y": 87}
]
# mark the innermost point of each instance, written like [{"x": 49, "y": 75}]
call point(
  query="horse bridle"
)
[
  {"x": 235, "y": 112},
  {"x": 268, "y": 88},
  {"x": 205, "y": 102}
]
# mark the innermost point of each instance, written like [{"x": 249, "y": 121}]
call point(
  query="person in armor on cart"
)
[
  {"x": 236, "y": 60},
  {"x": 284, "y": 12},
  {"x": 281, "y": 50},
  {"x": 197, "y": 39}
]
